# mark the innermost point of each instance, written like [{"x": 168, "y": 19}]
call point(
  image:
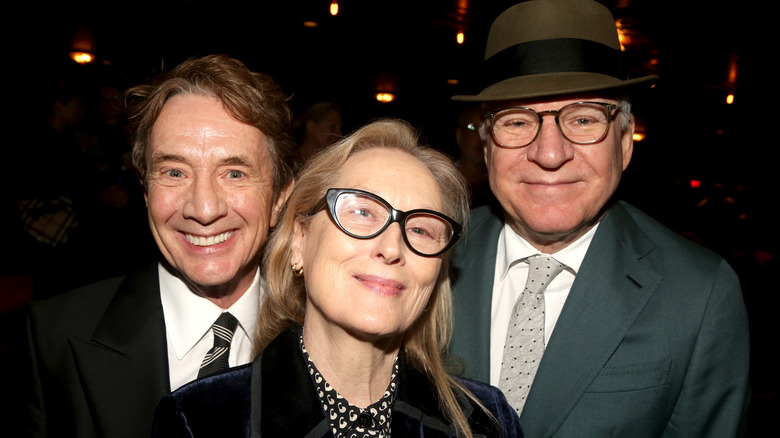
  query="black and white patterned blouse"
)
[{"x": 347, "y": 420}]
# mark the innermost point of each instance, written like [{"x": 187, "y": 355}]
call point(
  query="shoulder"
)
[
  {"x": 217, "y": 405},
  {"x": 78, "y": 312},
  {"x": 485, "y": 216},
  {"x": 86, "y": 299},
  {"x": 484, "y": 226},
  {"x": 630, "y": 222},
  {"x": 495, "y": 402},
  {"x": 684, "y": 268},
  {"x": 78, "y": 307},
  {"x": 490, "y": 396}
]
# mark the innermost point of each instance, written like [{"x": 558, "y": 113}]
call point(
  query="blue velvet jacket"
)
[{"x": 275, "y": 397}]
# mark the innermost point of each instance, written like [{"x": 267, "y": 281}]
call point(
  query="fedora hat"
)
[{"x": 542, "y": 48}]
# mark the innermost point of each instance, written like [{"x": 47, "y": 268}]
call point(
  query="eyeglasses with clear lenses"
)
[
  {"x": 579, "y": 123},
  {"x": 364, "y": 215}
]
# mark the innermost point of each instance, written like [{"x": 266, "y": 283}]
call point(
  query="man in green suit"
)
[{"x": 643, "y": 333}]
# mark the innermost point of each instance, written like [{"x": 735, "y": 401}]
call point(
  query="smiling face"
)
[
  {"x": 376, "y": 288},
  {"x": 210, "y": 195},
  {"x": 552, "y": 191}
]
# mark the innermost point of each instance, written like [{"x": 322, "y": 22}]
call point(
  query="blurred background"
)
[{"x": 702, "y": 163}]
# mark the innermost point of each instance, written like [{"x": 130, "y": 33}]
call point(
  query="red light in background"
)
[{"x": 695, "y": 183}]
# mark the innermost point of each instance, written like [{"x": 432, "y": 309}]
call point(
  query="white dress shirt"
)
[
  {"x": 188, "y": 320},
  {"x": 509, "y": 282}
]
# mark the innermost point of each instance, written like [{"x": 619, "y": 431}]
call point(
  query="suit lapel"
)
[
  {"x": 472, "y": 296},
  {"x": 124, "y": 366},
  {"x": 611, "y": 289}
]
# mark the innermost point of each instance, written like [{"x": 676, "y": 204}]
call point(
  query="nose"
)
[
  {"x": 205, "y": 202},
  {"x": 550, "y": 149},
  {"x": 389, "y": 245}
]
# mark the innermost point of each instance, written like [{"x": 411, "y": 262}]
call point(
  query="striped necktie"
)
[{"x": 217, "y": 358}]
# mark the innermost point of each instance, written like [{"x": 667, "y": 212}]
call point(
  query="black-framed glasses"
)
[
  {"x": 364, "y": 215},
  {"x": 579, "y": 123}
]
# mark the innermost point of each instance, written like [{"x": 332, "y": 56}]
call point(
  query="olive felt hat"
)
[{"x": 542, "y": 48}]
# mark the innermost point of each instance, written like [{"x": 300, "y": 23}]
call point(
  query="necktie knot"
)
[
  {"x": 217, "y": 357},
  {"x": 224, "y": 327},
  {"x": 542, "y": 271}
]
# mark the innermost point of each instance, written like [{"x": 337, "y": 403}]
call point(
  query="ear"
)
[
  {"x": 296, "y": 246},
  {"x": 627, "y": 142},
  {"x": 279, "y": 202}
]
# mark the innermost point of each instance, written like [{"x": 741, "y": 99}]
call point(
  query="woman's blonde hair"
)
[{"x": 426, "y": 341}]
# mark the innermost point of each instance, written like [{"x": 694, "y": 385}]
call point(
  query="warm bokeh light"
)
[
  {"x": 452, "y": 81},
  {"x": 730, "y": 99},
  {"x": 733, "y": 69},
  {"x": 309, "y": 23},
  {"x": 82, "y": 57},
  {"x": 385, "y": 97},
  {"x": 460, "y": 37},
  {"x": 695, "y": 183},
  {"x": 638, "y": 136},
  {"x": 623, "y": 34},
  {"x": 334, "y": 8}
]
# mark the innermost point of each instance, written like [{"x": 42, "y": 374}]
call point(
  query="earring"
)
[{"x": 296, "y": 270}]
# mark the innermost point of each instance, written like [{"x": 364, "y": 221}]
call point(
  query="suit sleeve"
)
[
  {"x": 170, "y": 421},
  {"x": 714, "y": 396}
]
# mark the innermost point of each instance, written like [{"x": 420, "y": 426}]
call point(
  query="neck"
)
[
  {"x": 359, "y": 370},
  {"x": 223, "y": 295},
  {"x": 552, "y": 242}
]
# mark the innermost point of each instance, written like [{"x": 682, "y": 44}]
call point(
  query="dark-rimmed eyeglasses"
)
[
  {"x": 579, "y": 123},
  {"x": 364, "y": 215}
]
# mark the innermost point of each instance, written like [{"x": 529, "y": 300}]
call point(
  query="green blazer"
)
[{"x": 652, "y": 341}]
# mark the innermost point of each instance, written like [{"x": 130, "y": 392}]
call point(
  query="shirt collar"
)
[
  {"x": 513, "y": 249},
  {"x": 188, "y": 317}
]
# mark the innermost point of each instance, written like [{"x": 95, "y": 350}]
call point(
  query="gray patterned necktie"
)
[
  {"x": 217, "y": 357},
  {"x": 524, "y": 343}
]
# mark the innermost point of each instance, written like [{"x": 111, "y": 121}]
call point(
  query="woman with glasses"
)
[{"x": 358, "y": 314}]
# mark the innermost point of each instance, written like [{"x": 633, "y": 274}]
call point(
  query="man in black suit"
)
[{"x": 213, "y": 147}]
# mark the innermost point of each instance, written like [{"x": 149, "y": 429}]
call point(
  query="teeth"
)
[{"x": 208, "y": 241}]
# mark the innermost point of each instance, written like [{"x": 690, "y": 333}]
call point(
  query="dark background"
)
[{"x": 409, "y": 46}]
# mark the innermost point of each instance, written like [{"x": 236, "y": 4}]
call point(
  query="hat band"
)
[{"x": 552, "y": 56}]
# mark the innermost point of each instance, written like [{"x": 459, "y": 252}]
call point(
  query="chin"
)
[{"x": 375, "y": 332}]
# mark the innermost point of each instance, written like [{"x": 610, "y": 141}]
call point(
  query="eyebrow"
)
[
  {"x": 159, "y": 158},
  {"x": 237, "y": 160},
  {"x": 233, "y": 160}
]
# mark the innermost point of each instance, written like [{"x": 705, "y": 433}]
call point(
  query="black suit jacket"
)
[
  {"x": 275, "y": 397},
  {"x": 99, "y": 362}
]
